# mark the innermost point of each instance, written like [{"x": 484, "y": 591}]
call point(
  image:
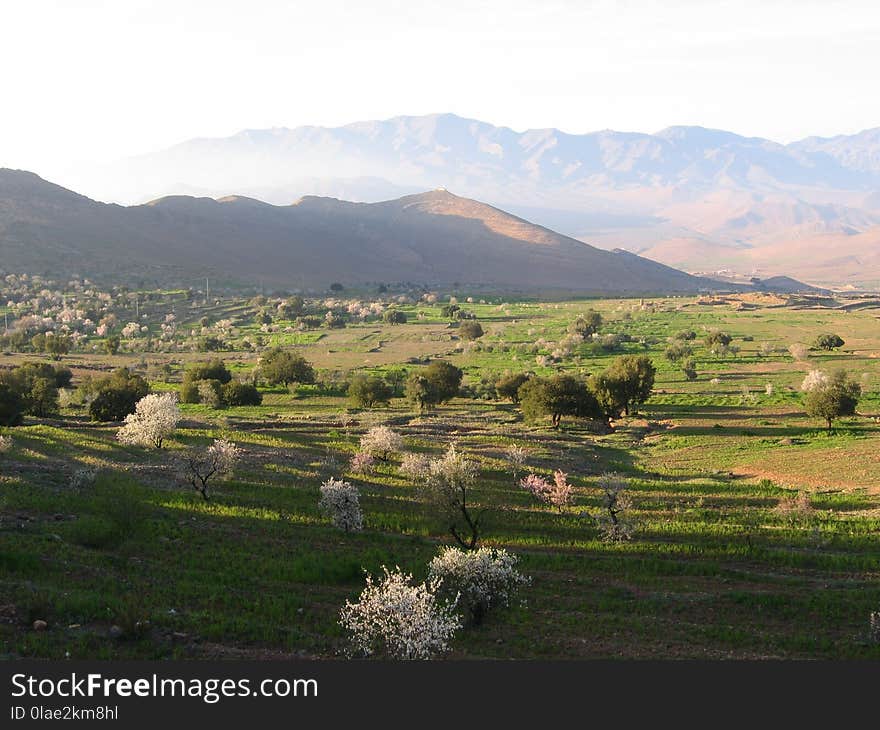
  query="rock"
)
[
  {"x": 40, "y": 625},
  {"x": 116, "y": 632}
]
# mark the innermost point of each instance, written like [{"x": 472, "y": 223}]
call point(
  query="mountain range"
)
[
  {"x": 700, "y": 199},
  {"x": 430, "y": 239}
]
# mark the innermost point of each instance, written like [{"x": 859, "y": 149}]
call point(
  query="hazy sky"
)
[{"x": 87, "y": 81}]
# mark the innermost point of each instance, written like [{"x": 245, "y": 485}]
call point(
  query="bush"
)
[
  {"x": 557, "y": 493},
  {"x": 340, "y": 501},
  {"x": 236, "y": 393},
  {"x": 396, "y": 619},
  {"x": 481, "y": 579},
  {"x": 470, "y": 330},
  {"x": 117, "y": 395},
  {"x": 828, "y": 342},
  {"x": 367, "y": 391},
  {"x": 281, "y": 367},
  {"x": 508, "y": 386},
  {"x": 211, "y": 393},
  {"x": 212, "y": 370}
]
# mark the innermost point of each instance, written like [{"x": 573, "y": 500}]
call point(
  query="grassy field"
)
[{"x": 718, "y": 566}]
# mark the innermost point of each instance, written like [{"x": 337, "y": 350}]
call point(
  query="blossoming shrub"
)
[
  {"x": 398, "y": 619},
  {"x": 381, "y": 441},
  {"x": 340, "y": 501},
  {"x": 480, "y": 578}
]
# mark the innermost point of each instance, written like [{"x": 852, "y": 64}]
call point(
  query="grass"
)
[{"x": 717, "y": 568}]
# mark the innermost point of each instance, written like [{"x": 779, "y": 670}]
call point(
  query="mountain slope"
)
[
  {"x": 433, "y": 238},
  {"x": 642, "y": 192}
]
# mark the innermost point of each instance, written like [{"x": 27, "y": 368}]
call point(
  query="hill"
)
[
  {"x": 433, "y": 238},
  {"x": 687, "y": 196}
]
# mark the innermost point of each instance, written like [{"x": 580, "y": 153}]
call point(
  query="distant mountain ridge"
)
[
  {"x": 433, "y": 238},
  {"x": 688, "y": 196}
]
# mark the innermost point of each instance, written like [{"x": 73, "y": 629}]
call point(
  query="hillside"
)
[
  {"x": 433, "y": 238},
  {"x": 684, "y": 196}
]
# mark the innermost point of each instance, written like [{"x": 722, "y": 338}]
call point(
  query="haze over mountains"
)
[
  {"x": 690, "y": 197},
  {"x": 433, "y": 238}
]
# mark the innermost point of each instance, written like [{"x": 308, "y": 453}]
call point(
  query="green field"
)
[{"x": 718, "y": 567}]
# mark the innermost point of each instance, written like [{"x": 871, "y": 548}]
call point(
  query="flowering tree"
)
[
  {"x": 480, "y": 578},
  {"x": 556, "y": 493},
  {"x": 416, "y": 467},
  {"x": 218, "y": 460},
  {"x": 340, "y": 501},
  {"x": 516, "y": 459},
  {"x": 447, "y": 490},
  {"x": 155, "y": 417},
  {"x": 814, "y": 380},
  {"x": 362, "y": 462},
  {"x": 5, "y": 444},
  {"x": 400, "y": 620},
  {"x": 380, "y": 442}
]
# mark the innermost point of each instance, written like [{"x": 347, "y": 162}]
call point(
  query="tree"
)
[
  {"x": 838, "y": 397},
  {"x": 419, "y": 391},
  {"x": 336, "y": 287},
  {"x": 395, "y": 618},
  {"x": 35, "y": 388},
  {"x": 380, "y": 442},
  {"x": 470, "y": 330},
  {"x": 624, "y": 385},
  {"x": 284, "y": 367},
  {"x": 586, "y": 325},
  {"x": 677, "y": 351},
  {"x": 11, "y": 406},
  {"x": 508, "y": 386},
  {"x": 111, "y": 344},
  {"x": 449, "y": 311},
  {"x": 447, "y": 491},
  {"x": 199, "y": 466},
  {"x": 828, "y": 342},
  {"x": 214, "y": 369},
  {"x": 718, "y": 341},
  {"x": 445, "y": 379},
  {"x": 340, "y": 501},
  {"x": 395, "y": 316},
  {"x": 558, "y": 396},
  {"x": 367, "y": 391},
  {"x": 154, "y": 419}
]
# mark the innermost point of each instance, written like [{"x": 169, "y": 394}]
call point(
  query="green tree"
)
[
  {"x": 445, "y": 379},
  {"x": 625, "y": 385},
  {"x": 838, "y": 397},
  {"x": 367, "y": 391},
  {"x": 508, "y": 386},
  {"x": 117, "y": 395},
  {"x": 586, "y": 325},
  {"x": 558, "y": 396},
  {"x": 111, "y": 344},
  {"x": 395, "y": 316},
  {"x": 282, "y": 367}
]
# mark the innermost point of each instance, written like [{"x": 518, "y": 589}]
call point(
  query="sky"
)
[{"x": 86, "y": 82}]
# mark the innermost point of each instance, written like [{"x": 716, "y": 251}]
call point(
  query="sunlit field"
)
[{"x": 754, "y": 527}]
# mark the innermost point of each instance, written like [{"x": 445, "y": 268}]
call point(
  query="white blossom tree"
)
[
  {"x": 448, "y": 490},
  {"x": 154, "y": 419},
  {"x": 200, "y": 466},
  {"x": 381, "y": 442},
  {"x": 340, "y": 501},
  {"x": 480, "y": 579},
  {"x": 395, "y": 618}
]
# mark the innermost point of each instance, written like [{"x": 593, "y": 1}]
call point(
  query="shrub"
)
[
  {"x": 586, "y": 325},
  {"x": 395, "y": 316},
  {"x": 211, "y": 370},
  {"x": 394, "y": 618},
  {"x": 689, "y": 368},
  {"x": 380, "y": 442},
  {"x": 236, "y": 393},
  {"x": 82, "y": 479},
  {"x": 211, "y": 393},
  {"x": 117, "y": 395},
  {"x": 480, "y": 579},
  {"x": 5, "y": 444},
  {"x": 828, "y": 342},
  {"x": 340, "y": 501},
  {"x": 367, "y": 391},
  {"x": 470, "y": 330},
  {"x": 154, "y": 419}
]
